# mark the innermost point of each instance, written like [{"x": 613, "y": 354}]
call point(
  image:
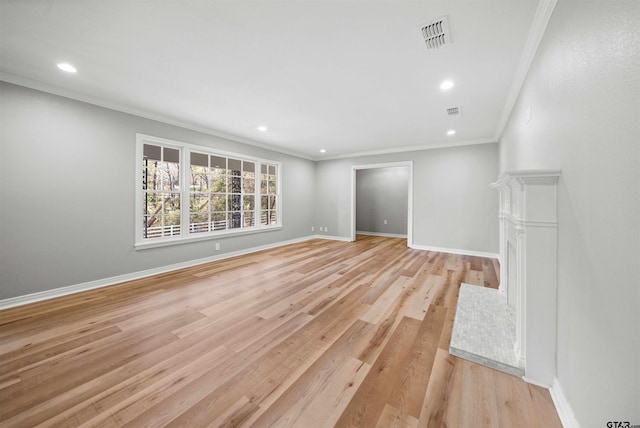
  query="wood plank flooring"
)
[{"x": 316, "y": 334}]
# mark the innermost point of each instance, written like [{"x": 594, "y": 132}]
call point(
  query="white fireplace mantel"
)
[{"x": 528, "y": 260}]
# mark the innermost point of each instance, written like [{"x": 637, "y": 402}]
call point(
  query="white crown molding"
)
[
  {"x": 565, "y": 412},
  {"x": 105, "y": 282},
  {"x": 456, "y": 251},
  {"x": 441, "y": 145},
  {"x": 55, "y": 90},
  {"x": 383, "y": 165},
  {"x": 536, "y": 32}
]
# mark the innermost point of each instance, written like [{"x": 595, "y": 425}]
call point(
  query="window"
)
[
  {"x": 225, "y": 193},
  {"x": 269, "y": 194},
  {"x": 222, "y": 193},
  {"x": 161, "y": 187}
]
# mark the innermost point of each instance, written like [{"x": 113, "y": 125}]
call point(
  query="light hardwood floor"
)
[{"x": 320, "y": 333}]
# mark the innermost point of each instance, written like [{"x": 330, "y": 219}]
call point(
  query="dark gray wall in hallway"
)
[{"x": 382, "y": 197}]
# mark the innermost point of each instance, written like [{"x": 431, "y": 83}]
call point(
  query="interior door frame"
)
[{"x": 408, "y": 164}]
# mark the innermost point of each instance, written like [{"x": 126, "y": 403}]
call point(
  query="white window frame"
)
[{"x": 185, "y": 154}]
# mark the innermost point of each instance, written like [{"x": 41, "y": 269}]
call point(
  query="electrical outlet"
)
[
  {"x": 313, "y": 228},
  {"x": 385, "y": 221},
  {"x": 326, "y": 229},
  {"x": 217, "y": 246}
]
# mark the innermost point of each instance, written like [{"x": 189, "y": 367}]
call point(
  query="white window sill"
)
[{"x": 165, "y": 242}]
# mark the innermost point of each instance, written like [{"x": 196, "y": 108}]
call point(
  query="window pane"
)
[
  {"x": 199, "y": 203},
  {"x": 273, "y": 217},
  {"x": 199, "y": 179},
  {"x": 198, "y": 223},
  {"x": 249, "y": 167},
  {"x": 150, "y": 176},
  {"x": 272, "y": 202},
  {"x": 249, "y": 220},
  {"x": 219, "y": 221},
  {"x": 218, "y": 202},
  {"x": 263, "y": 169},
  {"x": 272, "y": 184},
  {"x": 272, "y": 170},
  {"x": 234, "y": 220},
  {"x": 170, "y": 176},
  {"x": 171, "y": 155},
  {"x": 152, "y": 152},
  {"x": 152, "y": 204},
  {"x": 199, "y": 159},
  {"x": 264, "y": 203},
  {"x": 235, "y": 185},
  {"x": 219, "y": 164},
  {"x": 152, "y": 226},
  {"x": 249, "y": 185},
  {"x": 171, "y": 225},
  {"x": 218, "y": 182},
  {"x": 235, "y": 203},
  {"x": 248, "y": 203},
  {"x": 235, "y": 167},
  {"x": 263, "y": 186},
  {"x": 172, "y": 203},
  {"x": 264, "y": 218}
]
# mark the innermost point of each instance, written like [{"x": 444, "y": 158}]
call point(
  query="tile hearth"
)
[{"x": 484, "y": 329}]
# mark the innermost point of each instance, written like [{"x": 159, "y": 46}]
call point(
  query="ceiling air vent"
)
[
  {"x": 436, "y": 33},
  {"x": 452, "y": 111}
]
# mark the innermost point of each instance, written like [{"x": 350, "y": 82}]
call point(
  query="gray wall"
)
[
  {"x": 67, "y": 193},
  {"x": 584, "y": 94},
  {"x": 454, "y": 207},
  {"x": 381, "y": 195}
]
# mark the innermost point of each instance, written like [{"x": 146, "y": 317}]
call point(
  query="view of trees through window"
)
[
  {"x": 161, "y": 185},
  {"x": 268, "y": 186},
  {"x": 224, "y": 193}
]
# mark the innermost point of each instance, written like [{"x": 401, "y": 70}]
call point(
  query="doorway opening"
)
[{"x": 382, "y": 200}]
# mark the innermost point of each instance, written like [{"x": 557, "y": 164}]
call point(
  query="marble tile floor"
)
[{"x": 484, "y": 329}]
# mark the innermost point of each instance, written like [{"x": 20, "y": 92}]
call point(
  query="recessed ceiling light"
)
[
  {"x": 65, "y": 66},
  {"x": 323, "y": 151},
  {"x": 262, "y": 128},
  {"x": 451, "y": 132},
  {"x": 446, "y": 85}
]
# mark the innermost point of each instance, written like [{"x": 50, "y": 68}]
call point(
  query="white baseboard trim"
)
[
  {"x": 387, "y": 235},
  {"x": 534, "y": 382},
  {"x": 332, "y": 238},
  {"x": 105, "y": 282},
  {"x": 455, "y": 251},
  {"x": 563, "y": 408}
]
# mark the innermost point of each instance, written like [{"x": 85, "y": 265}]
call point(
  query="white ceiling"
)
[{"x": 350, "y": 77}]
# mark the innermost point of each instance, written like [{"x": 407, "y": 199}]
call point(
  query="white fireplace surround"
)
[{"x": 528, "y": 260}]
